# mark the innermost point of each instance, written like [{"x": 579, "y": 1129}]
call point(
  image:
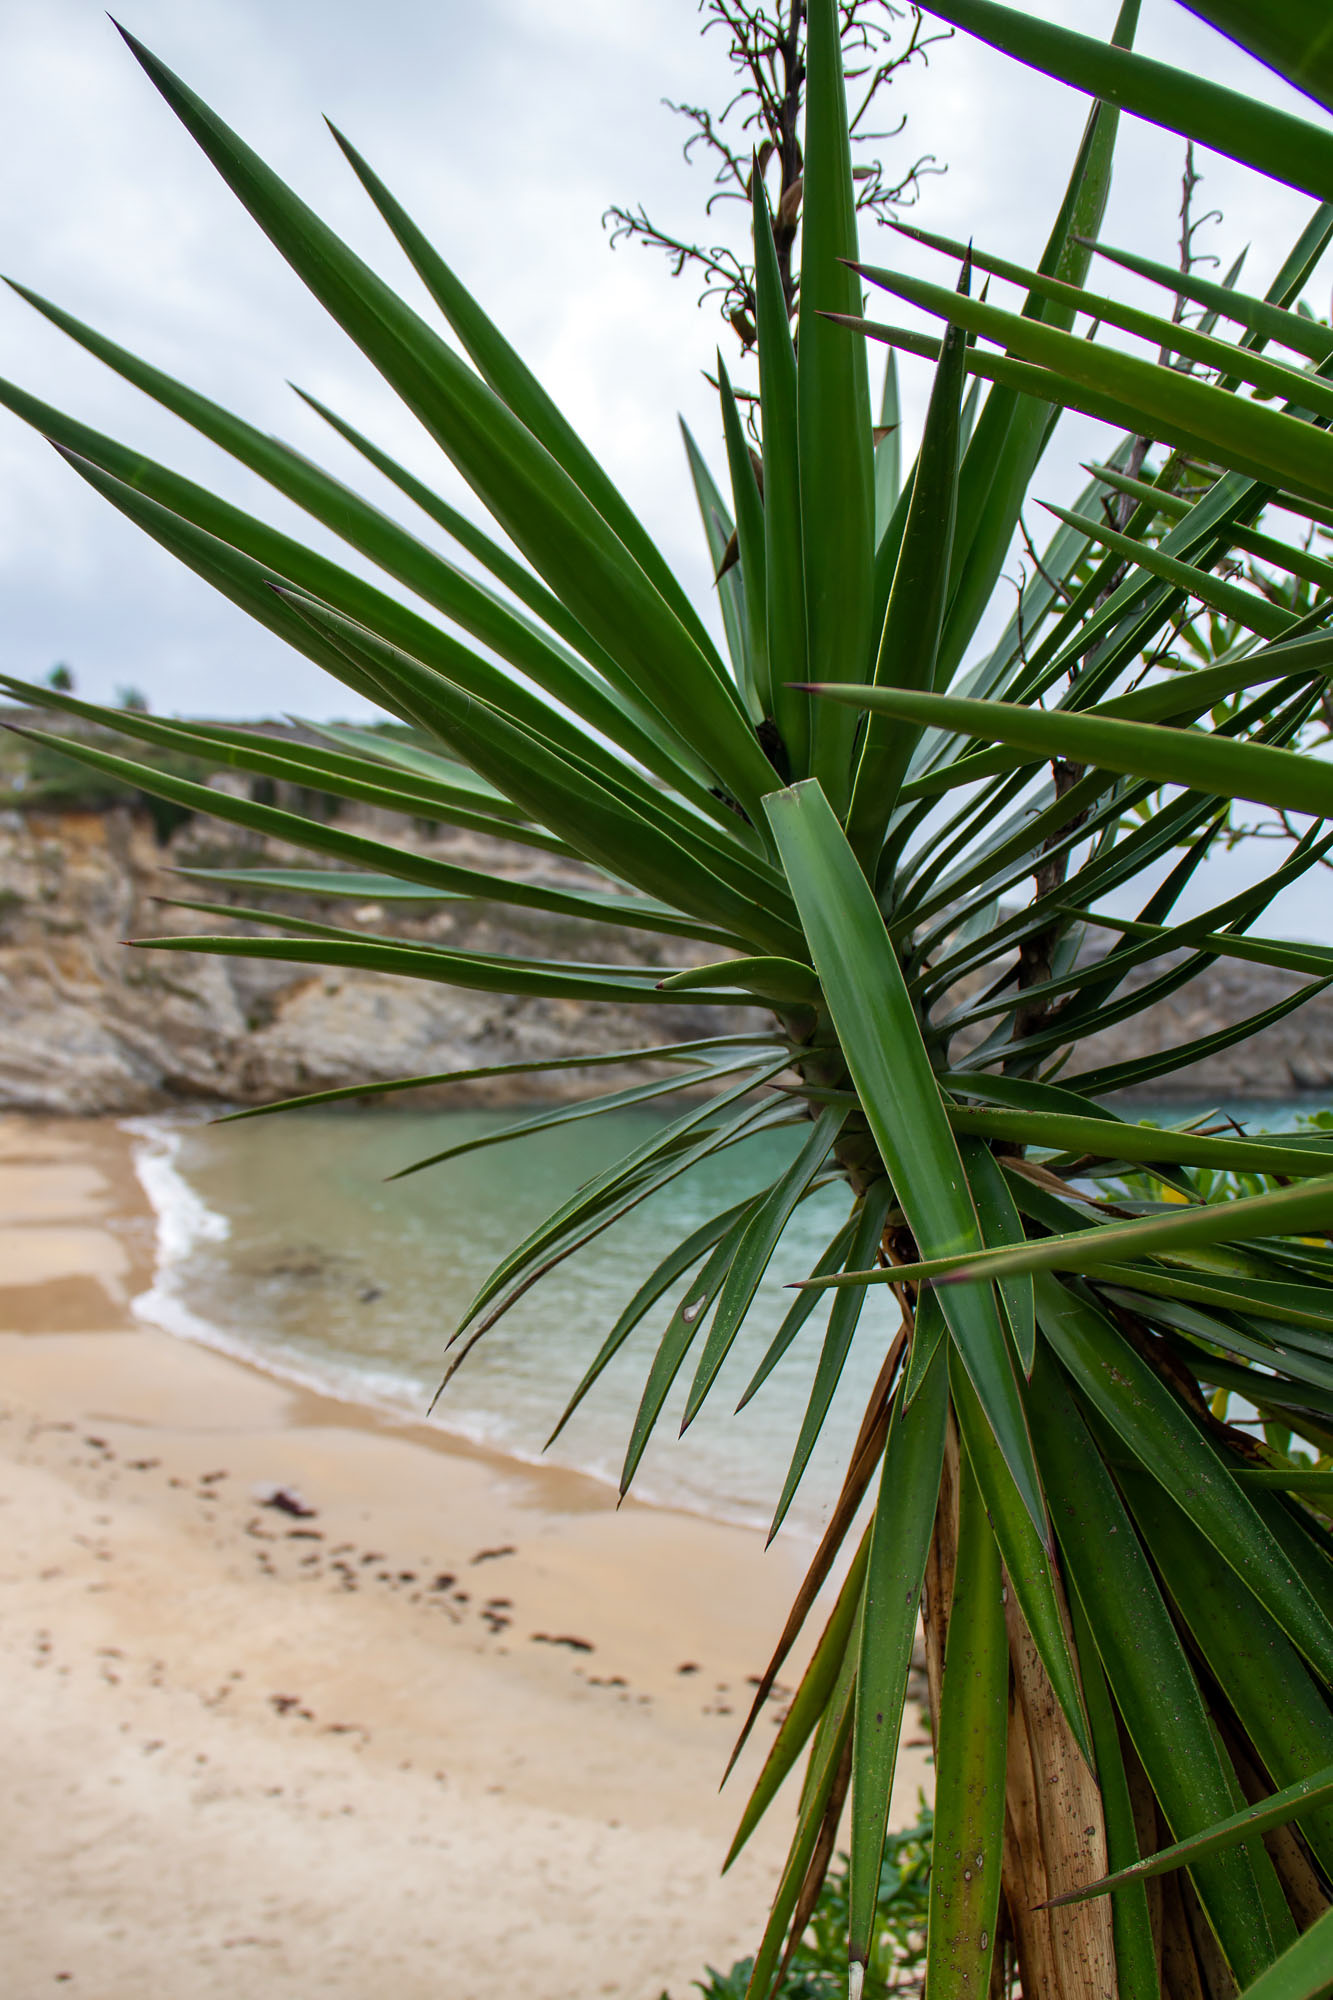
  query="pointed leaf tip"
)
[{"x": 139, "y": 50}]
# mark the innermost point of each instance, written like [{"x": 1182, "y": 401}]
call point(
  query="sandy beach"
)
[{"x": 457, "y": 1730}]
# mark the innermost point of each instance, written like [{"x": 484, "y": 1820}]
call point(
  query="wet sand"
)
[{"x": 457, "y": 1729}]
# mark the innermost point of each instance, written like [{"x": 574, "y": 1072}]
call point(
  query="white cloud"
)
[{"x": 506, "y": 131}]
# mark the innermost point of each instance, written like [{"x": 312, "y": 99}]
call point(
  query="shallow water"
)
[{"x": 280, "y": 1239}]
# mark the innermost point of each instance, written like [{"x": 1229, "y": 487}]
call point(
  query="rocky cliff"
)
[{"x": 88, "y": 1026}]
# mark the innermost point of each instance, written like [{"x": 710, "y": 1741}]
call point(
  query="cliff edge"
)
[{"x": 89, "y": 1026}]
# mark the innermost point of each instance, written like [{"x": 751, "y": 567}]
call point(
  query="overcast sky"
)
[{"x": 506, "y": 130}]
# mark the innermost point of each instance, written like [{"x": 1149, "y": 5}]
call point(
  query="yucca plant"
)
[{"x": 1094, "y": 1460}]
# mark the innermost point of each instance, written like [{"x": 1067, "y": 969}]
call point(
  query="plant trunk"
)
[
  {"x": 1054, "y": 1833},
  {"x": 1054, "y": 1836}
]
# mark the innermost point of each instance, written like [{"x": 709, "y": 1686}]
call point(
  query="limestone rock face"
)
[
  {"x": 1292, "y": 1056},
  {"x": 90, "y": 1026}
]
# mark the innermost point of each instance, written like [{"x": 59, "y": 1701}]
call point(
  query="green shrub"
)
[{"x": 817, "y": 1969}]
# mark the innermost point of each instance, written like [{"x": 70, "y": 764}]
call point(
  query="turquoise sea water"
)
[{"x": 280, "y": 1239}]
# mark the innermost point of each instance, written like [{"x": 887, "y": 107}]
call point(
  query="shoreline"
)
[
  {"x": 464, "y": 1714},
  {"x": 156, "y": 1305}
]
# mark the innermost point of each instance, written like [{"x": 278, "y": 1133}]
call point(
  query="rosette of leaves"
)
[{"x": 1094, "y": 1460}]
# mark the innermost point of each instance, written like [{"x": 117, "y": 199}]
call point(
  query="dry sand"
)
[{"x": 456, "y": 1733}]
